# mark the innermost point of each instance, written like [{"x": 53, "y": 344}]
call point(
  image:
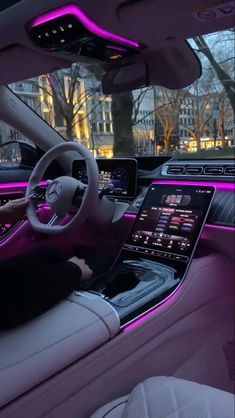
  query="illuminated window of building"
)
[
  {"x": 108, "y": 127},
  {"x": 101, "y": 127},
  {"x": 94, "y": 127}
]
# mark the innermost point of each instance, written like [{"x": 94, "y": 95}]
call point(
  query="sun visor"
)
[
  {"x": 28, "y": 63},
  {"x": 174, "y": 67}
]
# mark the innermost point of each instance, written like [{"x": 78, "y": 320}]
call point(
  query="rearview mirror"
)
[
  {"x": 130, "y": 77},
  {"x": 175, "y": 66}
]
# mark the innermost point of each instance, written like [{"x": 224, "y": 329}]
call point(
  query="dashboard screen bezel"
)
[{"x": 110, "y": 164}]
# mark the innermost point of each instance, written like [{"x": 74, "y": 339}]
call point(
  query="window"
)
[
  {"x": 101, "y": 127},
  {"x": 108, "y": 127},
  {"x": 94, "y": 127},
  {"x": 96, "y": 111}
]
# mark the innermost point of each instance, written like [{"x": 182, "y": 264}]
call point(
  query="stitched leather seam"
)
[{"x": 112, "y": 409}]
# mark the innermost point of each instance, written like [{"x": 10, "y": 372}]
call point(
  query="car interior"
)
[{"x": 151, "y": 334}]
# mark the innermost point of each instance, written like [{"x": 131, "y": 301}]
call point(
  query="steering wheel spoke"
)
[
  {"x": 38, "y": 193},
  {"x": 78, "y": 195},
  {"x": 56, "y": 219}
]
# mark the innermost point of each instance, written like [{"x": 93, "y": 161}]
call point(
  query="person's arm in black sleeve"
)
[{"x": 29, "y": 291}]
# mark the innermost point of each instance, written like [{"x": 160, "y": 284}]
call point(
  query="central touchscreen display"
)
[{"x": 170, "y": 220}]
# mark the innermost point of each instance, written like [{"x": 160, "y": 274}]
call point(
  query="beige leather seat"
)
[{"x": 168, "y": 397}]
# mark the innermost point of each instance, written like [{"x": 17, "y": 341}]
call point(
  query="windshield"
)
[{"x": 195, "y": 122}]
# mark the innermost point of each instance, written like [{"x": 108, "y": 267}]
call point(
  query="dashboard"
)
[
  {"x": 117, "y": 176},
  {"x": 118, "y": 179}
]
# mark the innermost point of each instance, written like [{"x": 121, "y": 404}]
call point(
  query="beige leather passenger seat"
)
[{"x": 169, "y": 397}]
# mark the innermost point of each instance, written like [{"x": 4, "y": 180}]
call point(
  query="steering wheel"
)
[{"x": 61, "y": 192}]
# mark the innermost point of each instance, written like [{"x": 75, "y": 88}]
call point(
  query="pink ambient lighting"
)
[
  {"x": 75, "y": 10},
  {"x": 148, "y": 314},
  {"x": 129, "y": 215},
  {"x": 19, "y": 184},
  {"x": 217, "y": 185},
  {"x": 221, "y": 227},
  {"x": 116, "y": 48}
]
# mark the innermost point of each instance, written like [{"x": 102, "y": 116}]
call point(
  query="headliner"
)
[{"x": 159, "y": 24}]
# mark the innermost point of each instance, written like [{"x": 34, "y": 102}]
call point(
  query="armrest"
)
[{"x": 35, "y": 351}]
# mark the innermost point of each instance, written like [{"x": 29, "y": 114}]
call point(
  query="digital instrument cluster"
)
[{"x": 117, "y": 177}]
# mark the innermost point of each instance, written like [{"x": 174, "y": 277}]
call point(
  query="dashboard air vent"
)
[
  {"x": 194, "y": 170},
  {"x": 229, "y": 171},
  {"x": 175, "y": 169},
  {"x": 213, "y": 170}
]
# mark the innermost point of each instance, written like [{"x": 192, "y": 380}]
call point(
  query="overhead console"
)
[
  {"x": 118, "y": 176},
  {"x": 70, "y": 30},
  {"x": 159, "y": 248}
]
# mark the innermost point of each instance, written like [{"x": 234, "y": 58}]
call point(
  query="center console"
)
[{"x": 158, "y": 250}]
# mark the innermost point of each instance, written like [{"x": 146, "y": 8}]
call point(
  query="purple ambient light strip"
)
[
  {"x": 146, "y": 315},
  {"x": 129, "y": 215},
  {"x": 72, "y": 9},
  {"x": 20, "y": 184},
  {"x": 116, "y": 48},
  {"x": 220, "y": 227},
  {"x": 216, "y": 184}
]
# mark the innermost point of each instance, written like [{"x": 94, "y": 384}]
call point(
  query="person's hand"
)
[
  {"x": 13, "y": 211},
  {"x": 85, "y": 269}
]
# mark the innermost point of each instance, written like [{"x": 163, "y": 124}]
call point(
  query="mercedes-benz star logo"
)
[{"x": 54, "y": 191}]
